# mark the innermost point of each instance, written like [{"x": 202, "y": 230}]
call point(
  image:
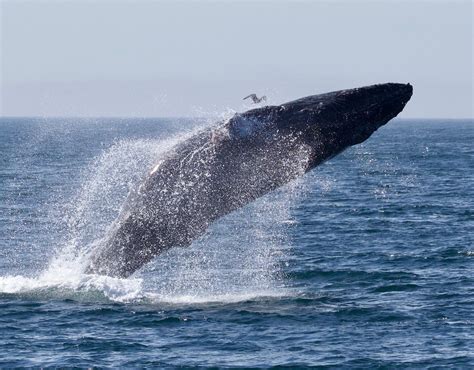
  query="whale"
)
[{"x": 228, "y": 165}]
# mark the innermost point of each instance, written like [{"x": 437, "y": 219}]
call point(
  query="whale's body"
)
[{"x": 233, "y": 163}]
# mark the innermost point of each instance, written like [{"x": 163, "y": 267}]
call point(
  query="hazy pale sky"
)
[{"x": 190, "y": 58}]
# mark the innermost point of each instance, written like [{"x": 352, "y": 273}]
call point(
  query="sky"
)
[{"x": 199, "y": 58}]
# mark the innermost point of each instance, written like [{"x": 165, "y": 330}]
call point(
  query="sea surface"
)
[{"x": 366, "y": 262}]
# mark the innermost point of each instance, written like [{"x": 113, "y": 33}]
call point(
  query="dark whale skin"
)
[{"x": 227, "y": 166}]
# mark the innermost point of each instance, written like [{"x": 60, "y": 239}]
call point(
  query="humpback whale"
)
[{"x": 229, "y": 165}]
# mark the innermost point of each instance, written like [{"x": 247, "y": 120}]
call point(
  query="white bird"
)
[{"x": 255, "y": 99}]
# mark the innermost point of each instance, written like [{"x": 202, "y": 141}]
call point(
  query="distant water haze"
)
[{"x": 190, "y": 58}]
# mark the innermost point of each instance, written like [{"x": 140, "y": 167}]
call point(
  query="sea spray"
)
[{"x": 239, "y": 256}]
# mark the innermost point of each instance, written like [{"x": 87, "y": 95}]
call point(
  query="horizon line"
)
[{"x": 195, "y": 117}]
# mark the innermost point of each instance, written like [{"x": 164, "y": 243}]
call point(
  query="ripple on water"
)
[{"x": 366, "y": 262}]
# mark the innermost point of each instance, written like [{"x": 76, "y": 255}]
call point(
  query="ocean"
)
[{"x": 365, "y": 262}]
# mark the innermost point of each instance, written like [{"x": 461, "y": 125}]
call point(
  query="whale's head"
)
[{"x": 328, "y": 123}]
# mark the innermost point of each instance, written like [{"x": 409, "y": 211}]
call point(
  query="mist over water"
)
[{"x": 366, "y": 261}]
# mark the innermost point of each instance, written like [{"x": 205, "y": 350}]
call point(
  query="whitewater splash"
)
[
  {"x": 64, "y": 284},
  {"x": 239, "y": 258}
]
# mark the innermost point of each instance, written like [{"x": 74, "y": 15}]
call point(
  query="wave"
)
[{"x": 105, "y": 289}]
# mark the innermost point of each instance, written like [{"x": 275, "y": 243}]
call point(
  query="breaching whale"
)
[{"x": 227, "y": 166}]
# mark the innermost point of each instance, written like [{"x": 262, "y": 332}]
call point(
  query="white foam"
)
[{"x": 65, "y": 286}]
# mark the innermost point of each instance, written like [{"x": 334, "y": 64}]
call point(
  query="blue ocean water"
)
[{"x": 365, "y": 262}]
